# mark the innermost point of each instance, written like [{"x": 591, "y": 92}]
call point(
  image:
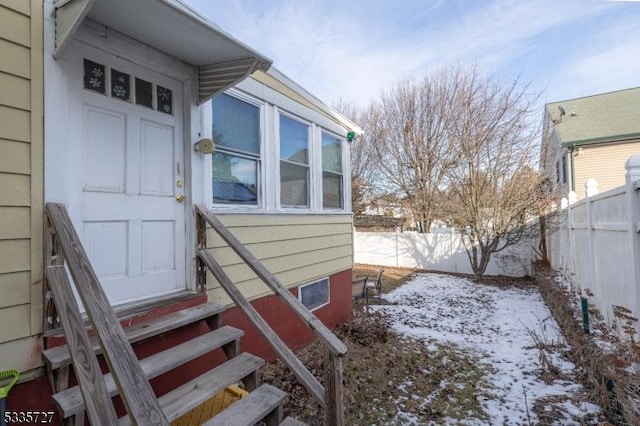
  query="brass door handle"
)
[{"x": 180, "y": 198}]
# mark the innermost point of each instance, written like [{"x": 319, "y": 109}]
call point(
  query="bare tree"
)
[
  {"x": 363, "y": 162},
  {"x": 412, "y": 144},
  {"x": 494, "y": 194}
]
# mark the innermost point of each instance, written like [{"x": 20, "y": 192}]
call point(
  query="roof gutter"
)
[{"x": 612, "y": 139}]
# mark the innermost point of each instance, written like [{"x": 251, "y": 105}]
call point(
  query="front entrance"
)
[{"x": 126, "y": 192}]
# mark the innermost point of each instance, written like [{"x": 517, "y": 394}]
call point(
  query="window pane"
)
[
  {"x": 120, "y": 87},
  {"x": 94, "y": 76},
  {"x": 315, "y": 294},
  {"x": 331, "y": 153},
  {"x": 144, "y": 93},
  {"x": 236, "y": 124},
  {"x": 294, "y": 184},
  {"x": 294, "y": 140},
  {"x": 331, "y": 190},
  {"x": 164, "y": 100},
  {"x": 235, "y": 179}
]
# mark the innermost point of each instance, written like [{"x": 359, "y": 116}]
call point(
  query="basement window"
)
[{"x": 314, "y": 295}]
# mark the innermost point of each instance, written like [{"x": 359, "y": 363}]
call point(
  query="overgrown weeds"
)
[{"x": 609, "y": 361}]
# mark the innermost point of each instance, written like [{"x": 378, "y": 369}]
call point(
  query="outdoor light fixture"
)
[{"x": 205, "y": 146}]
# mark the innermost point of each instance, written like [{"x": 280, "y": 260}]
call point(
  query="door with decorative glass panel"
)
[{"x": 129, "y": 199}]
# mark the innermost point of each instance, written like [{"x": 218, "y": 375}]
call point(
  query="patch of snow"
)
[{"x": 496, "y": 324}]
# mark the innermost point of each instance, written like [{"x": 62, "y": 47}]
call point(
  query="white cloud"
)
[{"x": 355, "y": 48}]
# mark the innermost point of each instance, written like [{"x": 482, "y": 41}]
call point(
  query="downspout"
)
[{"x": 572, "y": 167}]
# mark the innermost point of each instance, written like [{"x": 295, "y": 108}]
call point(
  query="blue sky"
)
[{"x": 355, "y": 48}]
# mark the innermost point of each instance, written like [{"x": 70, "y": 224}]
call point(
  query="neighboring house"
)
[
  {"x": 590, "y": 137},
  {"x": 127, "y": 89},
  {"x": 377, "y": 223}
]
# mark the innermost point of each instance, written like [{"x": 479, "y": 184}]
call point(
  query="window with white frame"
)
[
  {"x": 314, "y": 295},
  {"x": 294, "y": 163},
  {"x": 332, "y": 179},
  {"x": 236, "y": 161}
]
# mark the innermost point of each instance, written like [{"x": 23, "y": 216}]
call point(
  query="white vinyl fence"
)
[
  {"x": 437, "y": 252},
  {"x": 597, "y": 242}
]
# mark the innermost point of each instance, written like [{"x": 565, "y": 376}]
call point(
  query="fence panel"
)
[
  {"x": 599, "y": 245},
  {"x": 437, "y": 252}
]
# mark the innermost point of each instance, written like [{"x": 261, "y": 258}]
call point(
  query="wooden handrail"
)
[
  {"x": 330, "y": 340},
  {"x": 331, "y": 396},
  {"x": 283, "y": 351},
  {"x": 135, "y": 390},
  {"x": 86, "y": 367}
]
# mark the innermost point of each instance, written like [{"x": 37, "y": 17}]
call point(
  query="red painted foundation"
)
[{"x": 36, "y": 395}]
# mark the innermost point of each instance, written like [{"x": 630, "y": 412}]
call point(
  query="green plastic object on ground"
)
[{"x": 13, "y": 375}]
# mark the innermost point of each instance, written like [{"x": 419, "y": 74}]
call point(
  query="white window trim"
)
[
  {"x": 301, "y": 286},
  {"x": 311, "y": 160},
  {"x": 343, "y": 156},
  {"x": 208, "y": 166},
  {"x": 271, "y": 105}
]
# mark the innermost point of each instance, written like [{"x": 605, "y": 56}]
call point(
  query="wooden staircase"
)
[{"x": 129, "y": 377}]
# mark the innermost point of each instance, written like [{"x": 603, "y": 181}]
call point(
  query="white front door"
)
[{"x": 129, "y": 210}]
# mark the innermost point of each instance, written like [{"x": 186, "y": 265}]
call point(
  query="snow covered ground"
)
[{"x": 510, "y": 332}]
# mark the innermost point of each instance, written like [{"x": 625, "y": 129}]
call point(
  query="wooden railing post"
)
[
  {"x": 201, "y": 244},
  {"x": 134, "y": 388},
  {"x": 331, "y": 396},
  {"x": 334, "y": 389}
]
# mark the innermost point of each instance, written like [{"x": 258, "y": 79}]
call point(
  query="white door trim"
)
[{"x": 58, "y": 157}]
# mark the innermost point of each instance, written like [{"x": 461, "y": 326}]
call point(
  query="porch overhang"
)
[{"x": 173, "y": 28}]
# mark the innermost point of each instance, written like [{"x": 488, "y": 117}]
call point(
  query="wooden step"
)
[
  {"x": 265, "y": 403},
  {"x": 70, "y": 402},
  {"x": 59, "y": 356},
  {"x": 291, "y": 421},
  {"x": 188, "y": 396}
]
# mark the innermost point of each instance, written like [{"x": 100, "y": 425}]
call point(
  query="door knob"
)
[{"x": 180, "y": 198}]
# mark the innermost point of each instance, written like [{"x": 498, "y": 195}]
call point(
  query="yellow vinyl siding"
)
[
  {"x": 14, "y": 256},
  {"x": 14, "y": 27},
  {"x": 21, "y": 183},
  {"x": 18, "y": 317},
  {"x": 16, "y": 222},
  {"x": 15, "y": 190},
  {"x": 21, "y": 6},
  {"x": 15, "y": 124},
  {"x": 23, "y": 354},
  {"x": 14, "y": 91},
  {"x": 16, "y": 59},
  {"x": 15, "y": 157},
  {"x": 295, "y": 248},
  {"x": 274, "y": 84},
  {"x": 14, "y": 288},
  {"x": 604, "y": 163}
]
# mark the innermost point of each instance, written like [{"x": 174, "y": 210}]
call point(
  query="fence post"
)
[
  {"x": 632, "y": 178},
  {"x": 572, "y": 198},
  {"x": 591, "y": 189}
]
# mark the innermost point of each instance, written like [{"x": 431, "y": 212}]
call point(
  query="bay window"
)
[
  {"x": 236, "y": 161},
  {"x": 294, "y": 163},
  {"x": 332, "y": 179}
]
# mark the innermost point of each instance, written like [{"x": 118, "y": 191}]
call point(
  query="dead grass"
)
[
  {"x": 392, "y": 278},
  {"x": 610, "y": 376},
  {"x": 389, "y": 379}
]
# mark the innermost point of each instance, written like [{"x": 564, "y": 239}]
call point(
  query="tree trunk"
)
[{"x": 544, "y": 254}]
